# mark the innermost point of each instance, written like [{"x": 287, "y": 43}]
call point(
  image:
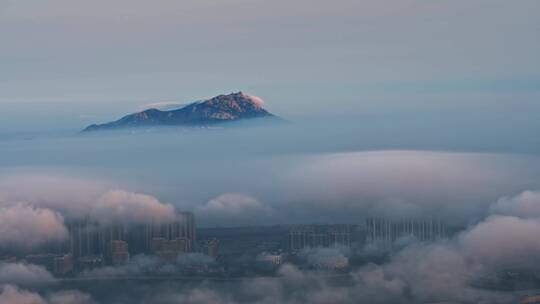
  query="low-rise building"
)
[
  {"x": 119, "y": 252},
  {"x": 63, "y": 265}
]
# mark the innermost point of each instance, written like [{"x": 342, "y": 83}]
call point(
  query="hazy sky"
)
[{"x": 304, "y": 57}]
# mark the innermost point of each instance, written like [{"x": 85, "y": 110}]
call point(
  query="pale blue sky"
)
[{"x": 94, "y": 60}]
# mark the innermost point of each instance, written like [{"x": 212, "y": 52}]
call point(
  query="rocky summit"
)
[{"x": 216, "y": 110}]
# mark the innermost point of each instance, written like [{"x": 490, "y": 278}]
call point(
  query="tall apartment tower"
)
[
  {"x": 119, "y": 252},
  {"x": 302, "y": 236},
  {"x": 385, "y": 230}
]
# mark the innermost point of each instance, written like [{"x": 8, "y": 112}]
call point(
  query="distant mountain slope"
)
[{"x": 220, "y": 109}]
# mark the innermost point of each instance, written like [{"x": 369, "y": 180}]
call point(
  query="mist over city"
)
[{"x": 249, "y": 151}]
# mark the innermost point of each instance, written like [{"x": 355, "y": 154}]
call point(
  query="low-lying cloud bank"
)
[
  {"x": 12, "y": 294},
  {"x": 467, "y": 268},
  {"x": 525, "y": 205},
  {"x": 150, "y": 265},
  {"x": 457, "y": 187},
  {"x": 33, "y": 208},
  {"x": 489, "y": 194},
  {"x": 24, "y": 274},
  {"x": 16, "y": 280},
  {"x": 77, "y": 197},
  {"x": 26, "y": 226},
  {"x": 345, "y": 187},
  {"x": 230, "y": 209},
  {"x": 122, "y": 206}
]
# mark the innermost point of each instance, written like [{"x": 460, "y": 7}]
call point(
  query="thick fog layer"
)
[
  {"x": 260, "y": 174},
  {"x": 264, "y": 175}
]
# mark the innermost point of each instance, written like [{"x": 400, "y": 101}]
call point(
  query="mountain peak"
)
[
  {"x": 239, "y": 98},
  {"x": 218, "y": 109}
]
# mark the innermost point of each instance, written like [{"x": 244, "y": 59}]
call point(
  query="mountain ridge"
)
[{"x": 216, "y": 110}]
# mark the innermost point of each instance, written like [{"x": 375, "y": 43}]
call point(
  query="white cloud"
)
[
  {"x": 119, "y": 205},
  {"x": 72, "y": 196},
  {"x": 256, "y": 100},
  {"x": 70, "y": 297},
  {"x": 234, "y": 209},
  {"x": 346, "y": 186},
  {"x": 196, "y": 296},
  {"x": 504, "y": 242},
  {"x": 24, "y": 274},
  {"x": 525, "y": 204},
  {"x": 162, "y": 105},
  {"x": 26, "y": 226},
  {"x": 79, "y": 197},
  {"x": 11, "y": 294}
]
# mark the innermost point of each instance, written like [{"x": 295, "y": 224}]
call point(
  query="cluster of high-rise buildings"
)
[
  {"x": 303, "y": 236},
  {"x": 388, "y": 231},
  {"x": 90, "y": 238},
  {"x": 92, "y": 243},
  {"x": 380, "y": 230}
]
